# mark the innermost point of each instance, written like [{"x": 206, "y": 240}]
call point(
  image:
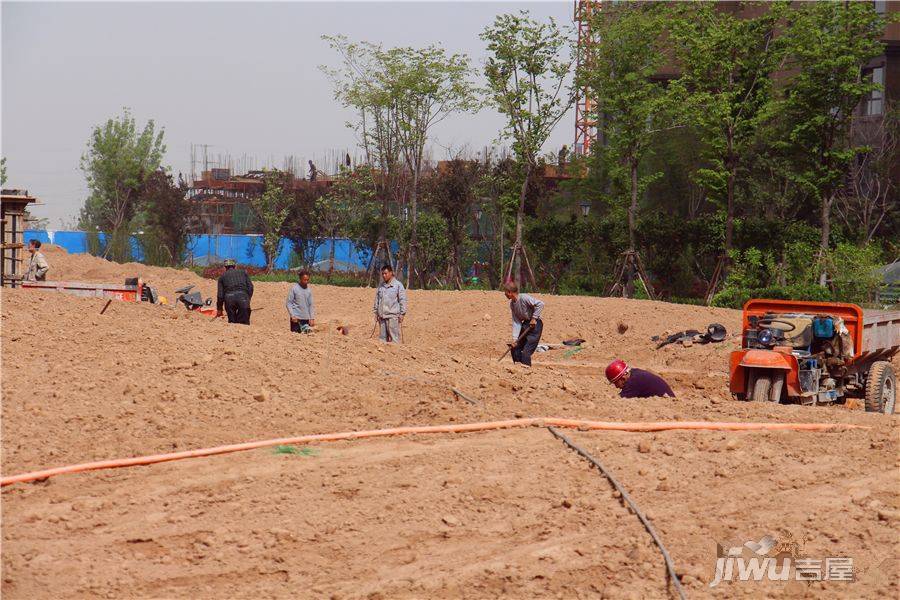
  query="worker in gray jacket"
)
[
  {"x": 390, "y": 306},
  {"x": 526, "y": 320},
  {"x": 37, "y": 264},
  {"x": 300, "y": 305}
]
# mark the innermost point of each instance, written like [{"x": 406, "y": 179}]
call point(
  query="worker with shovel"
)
[
  {"x": 527, "y": 324},
  {"x": 235, "y": 292},
  {"x": 300, "y": 305},
  {"x": 390, "y": 306}
]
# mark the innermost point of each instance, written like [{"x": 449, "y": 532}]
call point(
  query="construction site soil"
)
[{"x": 510, "y": 513}]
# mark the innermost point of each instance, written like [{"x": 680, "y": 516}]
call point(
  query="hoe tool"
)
[{"x": 518, "y": 341}]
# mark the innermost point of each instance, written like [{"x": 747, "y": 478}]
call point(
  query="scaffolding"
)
[
  {"x": 13, "y": 212},
  {"x": 585, "y": 107}
]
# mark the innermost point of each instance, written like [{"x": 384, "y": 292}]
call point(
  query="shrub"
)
[{"x": 732, "y": 297}]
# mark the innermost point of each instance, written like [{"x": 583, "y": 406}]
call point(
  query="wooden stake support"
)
[{"x": 629, "y": 264}]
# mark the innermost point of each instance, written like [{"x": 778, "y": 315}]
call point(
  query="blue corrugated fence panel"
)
[{"x": 213, "y": 249}]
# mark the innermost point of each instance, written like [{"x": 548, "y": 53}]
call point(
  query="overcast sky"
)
[{"x": 241, "y": 77}]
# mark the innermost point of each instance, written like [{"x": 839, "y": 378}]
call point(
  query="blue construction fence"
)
[{"x": 203, "y": 250}]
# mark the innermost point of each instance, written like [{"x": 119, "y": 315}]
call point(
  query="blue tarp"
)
[{"x": 213, "y": 249}]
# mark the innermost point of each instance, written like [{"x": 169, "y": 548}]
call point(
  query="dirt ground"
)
[{"x": 509, "y": 513}]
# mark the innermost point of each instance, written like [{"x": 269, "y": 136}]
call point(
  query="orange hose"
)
[{"x": 463, "y": 428}]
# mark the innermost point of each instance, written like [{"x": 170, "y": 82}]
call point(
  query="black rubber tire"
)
[
  {"x": 777, "y": 387},
  {"x": 881, "y": 388},
  {"x": 762, "y": 387}
]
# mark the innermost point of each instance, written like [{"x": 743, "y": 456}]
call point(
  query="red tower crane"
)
[{"x": 585, "y": 123}]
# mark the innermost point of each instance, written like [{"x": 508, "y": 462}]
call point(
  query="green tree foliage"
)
[
  {"x": 434, "y": 248},
  {"x": 335, "y": 211},
  {"x": 3, "y": 171},
  {"x": 426, "y": 85},
  {"x": 360, "y": 84},
  {"x": 167, "y": 214},
  {"x": 632, "y": 106},
  {"x": 272, "y": 208},
  {"x": 118, "y": 160},
  {"x": 827, "y": 45},
  {"x": 401, "y": 94},
  {"x": 452, "y": 194},
  {"x": 727, "y": 61},
  {"x": 526, "y": 71}
]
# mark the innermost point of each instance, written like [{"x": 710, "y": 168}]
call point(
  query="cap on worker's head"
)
[
  {"x": 616, "y": 370},
  {"x": 230, "y": 262}
]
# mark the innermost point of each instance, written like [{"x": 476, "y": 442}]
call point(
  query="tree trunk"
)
[
  {"x": 729, "y": 209},
  {"x": 413, "y": 237},
  {"x": 502, "y": 227},
  {"x": 331, "y": 258},
  {"x": 632, "y": 209},
  {"x": 520, "y": 222},
  {"x": 454, "y": 273},
  {"x": 826, "y": 238}
]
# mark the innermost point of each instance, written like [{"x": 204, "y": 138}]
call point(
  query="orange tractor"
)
[{"x": 816, "y": 352}]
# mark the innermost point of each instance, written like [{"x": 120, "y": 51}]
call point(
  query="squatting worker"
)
[
  {"x": 37, "y": 264},
  {"x": 526, "y": 313},
  {"x": 390, "y": 306},
  {"x": 300, "y": 304},
  {"x": 235, "y": 292},
  {"x": 636, "y": 383}
]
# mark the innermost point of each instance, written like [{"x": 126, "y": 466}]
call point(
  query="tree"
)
[
  {"x": 300, "y": 226},
  {"x": 727, "y": 61},
  {"x": 401, "y": 94},
  {"x": 117, "y": 161},
  {"x": 3, "y": 171},
  {"x": 335, "y": 210},
  {"x": 360, "y": 84},
  {"x": 633, "y": 106},
  {"x": 167, "y": 212},
  {"x": 425, "y": 85},
  {"x": 272, "y": 208},
  {"x": 870, "y": 196},
  {"x": 435, "y": 245},
  {"x": 526, "y": 72},
  {"x": 827, "y": 44},
  {"x": 452, "y": 194}
]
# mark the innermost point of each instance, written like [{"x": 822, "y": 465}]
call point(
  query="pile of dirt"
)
[{"x": 509, "y": 513}]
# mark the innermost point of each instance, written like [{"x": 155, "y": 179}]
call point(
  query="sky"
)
[{"x": 241, "y": 77}]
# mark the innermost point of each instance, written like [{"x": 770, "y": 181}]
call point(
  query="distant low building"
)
[{"x": 224, "y": 199}]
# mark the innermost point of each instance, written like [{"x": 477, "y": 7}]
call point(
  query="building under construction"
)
[{"x": 223, "y": 199}]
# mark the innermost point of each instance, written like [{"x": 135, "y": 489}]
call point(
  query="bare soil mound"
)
[{"x": 509, "y": 513}]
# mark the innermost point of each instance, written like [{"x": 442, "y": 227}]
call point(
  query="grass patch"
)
[
  {"x": 572, "y": 352},
  {"x": 287, "y": 449}
]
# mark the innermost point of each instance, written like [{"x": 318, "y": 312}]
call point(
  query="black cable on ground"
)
[{"x": 670, "y": 566}]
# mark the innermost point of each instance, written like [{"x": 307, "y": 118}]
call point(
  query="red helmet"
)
[{"x": 615, "y": 370}]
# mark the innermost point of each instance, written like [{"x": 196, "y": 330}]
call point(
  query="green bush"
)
[
  {"x": 732, "y": 297},
  {"x": 338, "y": 279},
  {"x": 853, "y": 272}
]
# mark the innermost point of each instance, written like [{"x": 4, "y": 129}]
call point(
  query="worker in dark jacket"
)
[
  {"x": 235, "y": 292},
  {"x": 636, "y": 383}
]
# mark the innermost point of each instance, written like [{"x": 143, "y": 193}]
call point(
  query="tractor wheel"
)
[
  {"x": 777, "y": 386},
  {"x": 881, "y": 388},
  {"x": 762, "y": 387}
]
